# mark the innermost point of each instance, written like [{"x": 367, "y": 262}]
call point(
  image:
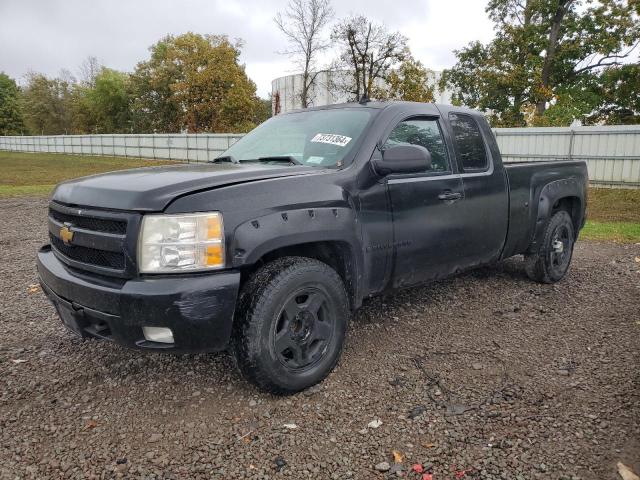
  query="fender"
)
[
  {"x": 255, "y": 238},
  {"x": 549, "y": 195}
]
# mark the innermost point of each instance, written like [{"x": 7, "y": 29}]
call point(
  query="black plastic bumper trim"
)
[{"x": 199, "y": 309}]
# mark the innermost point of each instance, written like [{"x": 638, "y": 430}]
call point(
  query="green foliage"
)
[
  {"x": 479, "y": 81},
  {"x": 11, "y": 121},
  {"x": 58, "y": 106},
  {"x": 47, "y": 105},
  {"x": 409, "y": 82},
  {"x": 190, "y": 82},
  {"x": 619, "y": 90},
  {"x": 552, "y": 61},
  {"x": 263, "y": 111},
  {"x": 108, "y": 102},
  {"x": 193, "y": 82}
]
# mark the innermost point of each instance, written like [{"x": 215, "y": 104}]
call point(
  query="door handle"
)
[{"x": 448, "y": 195}]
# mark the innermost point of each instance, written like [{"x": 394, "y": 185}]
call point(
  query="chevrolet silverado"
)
[{"x": 268, "y": 249}]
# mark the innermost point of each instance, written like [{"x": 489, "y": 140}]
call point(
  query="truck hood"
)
[{"x": 153, "y": 188}]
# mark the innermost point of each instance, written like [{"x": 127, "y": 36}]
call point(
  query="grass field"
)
[
  {"x": 614, "y": 205},
  {"x": 37, "y": 173},
  {"x": 613, "y": 214},
  {"x": 622, "y": 232}
]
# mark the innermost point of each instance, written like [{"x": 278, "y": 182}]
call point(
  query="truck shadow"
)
[
  {"x": 506, "y": 271},
  {"x": 389, "y": 310}
]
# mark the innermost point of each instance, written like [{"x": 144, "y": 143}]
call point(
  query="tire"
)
[
  {"x": 551, "y": 263},
  {"x": 290, "y": 325}
]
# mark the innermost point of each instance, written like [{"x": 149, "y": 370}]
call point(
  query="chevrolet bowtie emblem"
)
[{"x": 66, "y": 234}]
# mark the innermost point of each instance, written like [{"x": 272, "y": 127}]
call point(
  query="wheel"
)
[
  {"x": 290, "y": 325},
  {"x": 551, "y": 263}
]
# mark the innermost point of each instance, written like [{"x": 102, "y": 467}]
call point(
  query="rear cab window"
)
[
  {"x": 468, "y": 143},
  {"x": 426, "y": 133}
]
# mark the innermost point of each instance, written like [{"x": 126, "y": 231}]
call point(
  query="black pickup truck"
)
[{"x": 269, "y": 249}]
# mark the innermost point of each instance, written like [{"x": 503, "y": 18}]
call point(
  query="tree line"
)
[
  {"x": 195, "y": 83},
  {"x": 190, "y": 82},
  {"x": 551, "y": 62}
]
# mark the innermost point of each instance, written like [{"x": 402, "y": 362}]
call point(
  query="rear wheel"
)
[
  {"x": 551, "y": 263},
  {"x": 291, "y": 324}
]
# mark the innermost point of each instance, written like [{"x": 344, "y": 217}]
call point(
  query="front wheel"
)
[
  {"x": 291, "y": 324},
  {"x": 551, "y": 263}
]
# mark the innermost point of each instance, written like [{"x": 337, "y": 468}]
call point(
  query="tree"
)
[
  {"x": 548, "y": 57},
  {"x": 100, "y": 103},
  {"x": 302, "y": 24},
  {"x": 193, "y": 82},
  {"x": 619, "y": 94},
  {"x": 90, "y": 68},
  {"x": 47, "y": 105},
  {"x": 11, "y": 121},
  {"x": 493, "y": 78},
  {"x": 409, "y": 82},
  {"x": 108, "y": 102},
  {"x": 264, "y": 110},
  {"x": 83, "y": 117},
  {"x": 153, "y": 107},
  {"x": 368, "y": 52}
]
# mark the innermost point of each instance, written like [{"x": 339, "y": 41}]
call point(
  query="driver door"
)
[{"x": 426, "y": 207}]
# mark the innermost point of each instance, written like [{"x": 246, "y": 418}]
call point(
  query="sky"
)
[{"x": 49, "y": 35}]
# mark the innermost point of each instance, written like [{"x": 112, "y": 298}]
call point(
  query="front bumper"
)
[{"x": 198, "y": 308}]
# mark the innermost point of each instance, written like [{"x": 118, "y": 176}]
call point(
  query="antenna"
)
[{"x": 363, "y": 99}]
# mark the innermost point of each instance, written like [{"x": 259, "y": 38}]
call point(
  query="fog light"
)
[{"x": 158, "y": 334}]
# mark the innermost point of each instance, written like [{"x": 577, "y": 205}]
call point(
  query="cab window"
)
[
  {"x": 468, "y": 143},
  {"x": 423, "y": 132}
]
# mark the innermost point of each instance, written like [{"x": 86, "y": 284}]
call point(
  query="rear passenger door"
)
[
  {"x": 428, "y": 224},
  {"x": 486, "y": 196}
]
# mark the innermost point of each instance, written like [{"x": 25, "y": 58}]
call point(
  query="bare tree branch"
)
[
  {"x": 603, "y": 61},
  {"x": 302, "y": 24},
  {"x": 369, "y": 52},
  {"x": 89, "y": 70}
]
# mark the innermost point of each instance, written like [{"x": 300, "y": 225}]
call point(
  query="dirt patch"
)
[{"x": 486, "y": 375}]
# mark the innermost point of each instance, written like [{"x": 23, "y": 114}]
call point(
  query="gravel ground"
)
[{"x": 487, "y": 375}]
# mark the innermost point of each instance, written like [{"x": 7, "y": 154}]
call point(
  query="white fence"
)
[
  {"x": 612, "y": 153},
  {"x": 184, "y": 147}
]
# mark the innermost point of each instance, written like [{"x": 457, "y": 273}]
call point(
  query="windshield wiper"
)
[
  {"x": 225, "y": 158},
  {"x": 281, "y": 158}
]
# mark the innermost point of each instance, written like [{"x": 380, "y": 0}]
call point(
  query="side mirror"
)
[{"x": 402, "y": 159}]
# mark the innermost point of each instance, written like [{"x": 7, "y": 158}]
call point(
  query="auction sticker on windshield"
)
[{"x": 331, "y": 138}]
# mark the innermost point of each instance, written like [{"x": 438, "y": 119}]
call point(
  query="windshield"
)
[{"x": 319, "y": 138}]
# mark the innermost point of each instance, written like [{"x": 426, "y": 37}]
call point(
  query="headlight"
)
[{"x": 177, "y": 243}]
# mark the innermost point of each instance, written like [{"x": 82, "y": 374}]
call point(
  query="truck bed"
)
[{"x": 526, "y": 181}]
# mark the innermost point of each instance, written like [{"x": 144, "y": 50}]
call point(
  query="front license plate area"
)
[{"x": 72, "y": 319}]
